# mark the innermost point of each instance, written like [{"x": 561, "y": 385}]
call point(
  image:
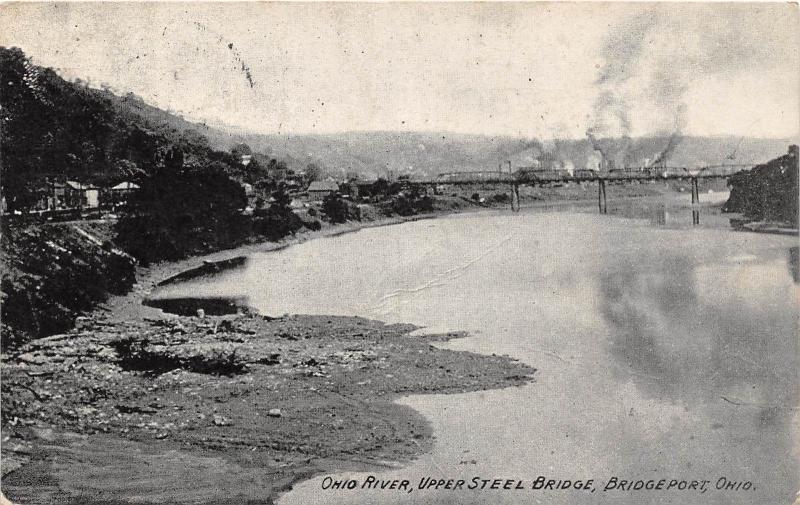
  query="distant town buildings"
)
[{"x": 320, "y": 189}]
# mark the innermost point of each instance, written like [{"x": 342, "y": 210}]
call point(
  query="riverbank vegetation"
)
[{"x": 768, "y": 192}]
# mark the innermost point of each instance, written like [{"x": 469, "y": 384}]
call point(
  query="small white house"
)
[{"x": 84, "y": 195}]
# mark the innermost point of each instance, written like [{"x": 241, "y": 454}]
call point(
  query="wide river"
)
[{"x": 661, "y": 353}]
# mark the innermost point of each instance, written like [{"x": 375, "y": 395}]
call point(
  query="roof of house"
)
[
  {"x": 80, "y": 186},
  {"x": 323, "y": 186},
  {"x": 126, "y": 185}
]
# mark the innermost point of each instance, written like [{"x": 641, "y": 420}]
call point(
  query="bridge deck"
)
[{"x": 721, "y": 172}]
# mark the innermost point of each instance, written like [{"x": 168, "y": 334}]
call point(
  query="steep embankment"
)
[{"x": 53, "y": 272}]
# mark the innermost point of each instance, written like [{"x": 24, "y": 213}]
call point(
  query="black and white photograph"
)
[{"x": 401, "y": 253}]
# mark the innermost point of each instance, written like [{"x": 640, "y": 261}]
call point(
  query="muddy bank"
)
[{"x": 112, "y": 412}]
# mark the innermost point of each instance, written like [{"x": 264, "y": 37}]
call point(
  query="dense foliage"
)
[
  {"x": 180, "y": 210},
  {"x": 337, "y": 210},
  {"x": 767, "y": 192},
  {"x": 52, "y": 128},
  {"x": 189, "y": 199},
  {"x": 277, "y": 220}
]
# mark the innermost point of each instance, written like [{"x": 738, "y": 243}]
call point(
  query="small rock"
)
[
  {"x": 162, "y": 435},
  {"x": 201, "y": 313},
  {"x": 274, "y": 413},
  {"x": 32, "y": 358},
  {"x": 221, "y": 420}
]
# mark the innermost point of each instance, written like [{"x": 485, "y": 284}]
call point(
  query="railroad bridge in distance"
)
[{"x": 541, "y": 177}]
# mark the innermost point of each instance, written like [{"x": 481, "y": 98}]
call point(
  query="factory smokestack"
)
[{"x": 662, "y": 158}]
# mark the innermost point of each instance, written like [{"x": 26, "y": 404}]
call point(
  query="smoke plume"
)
[{"x": 650, "y": 61}]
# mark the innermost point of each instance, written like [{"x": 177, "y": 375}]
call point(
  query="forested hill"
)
[{"x": 52, "y": 128}]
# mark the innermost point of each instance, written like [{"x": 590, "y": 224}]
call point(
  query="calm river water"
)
[{"x": 661, "y": 353}]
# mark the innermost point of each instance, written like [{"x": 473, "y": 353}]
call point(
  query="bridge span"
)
[{"x": 628, "y": 175}]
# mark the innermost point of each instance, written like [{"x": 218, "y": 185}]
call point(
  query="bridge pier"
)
[
  {"x": 695, "y": 202},
  {"x": 695, "y": 191},
  {"x": 601, "y": 197},
  {"x": 515, "y": 197}
]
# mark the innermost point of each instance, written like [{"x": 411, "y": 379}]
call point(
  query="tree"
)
[
  {"x": 313, "y": 172},
  {"x": 277, "y": 220},
  {"x": 256, "y": 173},
  {"x": 337, "y": 210},
  {"x": 178, "y": 211},
  {"x": 241, "y": 149}
]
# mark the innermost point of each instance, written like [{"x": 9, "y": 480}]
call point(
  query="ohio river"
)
[{"x": 662, "y": 354}]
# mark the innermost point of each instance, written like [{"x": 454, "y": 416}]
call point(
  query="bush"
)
[
  {"x": 409, "y": 206},
  {"x": 338, "y": 211},
  {"x": 276, "y": 225},
  {"x": 277, "y": 220},
  {"x": 501, "y": 198}
]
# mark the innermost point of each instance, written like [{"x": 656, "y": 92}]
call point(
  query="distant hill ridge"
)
[
  {"x": 57, "y": 127},
  {"x": 373, "y": 154}
]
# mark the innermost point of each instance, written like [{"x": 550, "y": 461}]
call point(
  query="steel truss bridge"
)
[{"x": 541, "y": 177}]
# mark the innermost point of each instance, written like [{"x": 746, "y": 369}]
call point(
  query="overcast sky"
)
[{"x": 521, "y": 69}]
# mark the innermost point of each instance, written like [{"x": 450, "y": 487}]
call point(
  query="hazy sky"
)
[{"x": 532, "y": 69}]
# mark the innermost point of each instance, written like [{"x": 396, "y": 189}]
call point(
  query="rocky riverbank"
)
[{"x": 113, "y": 411}]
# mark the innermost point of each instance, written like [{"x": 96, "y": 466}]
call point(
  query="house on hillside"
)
[
  {"x": 293, "y": 182},
  {"x": 78, "y": 194},
  {"x": 57, "y": 197},
  {"x": 320, "y": 189},
  {"x": 119, "y": 194}
]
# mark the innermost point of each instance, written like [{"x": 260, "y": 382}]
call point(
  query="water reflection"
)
[
  {"x": 665, "y": 215},
  {"x": 684, "y": 335}
]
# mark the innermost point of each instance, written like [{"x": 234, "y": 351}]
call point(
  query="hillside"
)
[
  {"x": 55, "y": 129},
  {"x": 375, "y": 154}
]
